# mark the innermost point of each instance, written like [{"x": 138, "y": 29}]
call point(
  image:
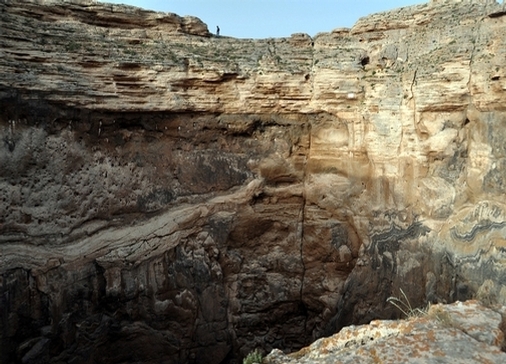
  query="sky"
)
[{"x": 272, "y": 18}]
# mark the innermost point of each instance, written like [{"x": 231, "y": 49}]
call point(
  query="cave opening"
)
[
  {"x": 364, "y": 61},
  {"x": 195, "y": 276}
]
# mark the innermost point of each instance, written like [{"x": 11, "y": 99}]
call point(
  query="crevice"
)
[
  {"x": 497, "y": 14},
  {"x": 312, "y": 71},
  {"x": 301, "y": 239},
  {"x": 471, "y": 61},
  {"x": 411, "y": 87},
  {"x": 301, "y": 232},
  {"x": 502, "y": 327}
]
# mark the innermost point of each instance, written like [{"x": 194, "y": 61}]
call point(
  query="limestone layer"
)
[{"x": 171, "y": 196}]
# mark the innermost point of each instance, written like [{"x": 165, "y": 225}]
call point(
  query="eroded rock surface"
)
[
  {"x": 461, "y": 332},
  {"x": 170, "y": 196}
]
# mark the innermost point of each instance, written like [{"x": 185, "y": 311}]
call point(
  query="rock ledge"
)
[{"x": 463, "y": 332}]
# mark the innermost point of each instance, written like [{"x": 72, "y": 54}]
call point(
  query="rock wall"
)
[{"x": 170, "y": 196}]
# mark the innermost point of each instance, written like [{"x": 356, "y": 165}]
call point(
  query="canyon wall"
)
[{"x": 171, "y": 196}]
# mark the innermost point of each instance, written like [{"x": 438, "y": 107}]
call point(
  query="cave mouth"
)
[{"x": 216, "y": 245}]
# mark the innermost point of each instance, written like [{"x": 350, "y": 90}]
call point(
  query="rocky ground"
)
[
  {"x": 171, "y": 196},
  {"x": 457, "y": 333}
]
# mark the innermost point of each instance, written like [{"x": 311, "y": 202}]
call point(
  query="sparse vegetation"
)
[
  {"x": 72, "y": 46},
  {"x": 254, "y": 357},
  {"x": 403, "y": 305},
  {"x": 130, "y": 52}
]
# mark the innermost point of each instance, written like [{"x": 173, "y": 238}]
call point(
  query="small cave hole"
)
[
  {"x": 364, "y": 61},
  {"x": 466, "y": 121},
  {"x": 495, "y": 78}
]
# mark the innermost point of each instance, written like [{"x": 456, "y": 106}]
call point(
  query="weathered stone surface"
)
[
  {"x": 170, "y": 196},
  {"x": 461, "y": 332}
]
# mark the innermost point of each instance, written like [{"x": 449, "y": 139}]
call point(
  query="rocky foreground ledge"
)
[{"x": 463, "y": 332}]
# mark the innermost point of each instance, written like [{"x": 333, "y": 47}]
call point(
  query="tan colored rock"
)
[{"x": 219, "y": 195}]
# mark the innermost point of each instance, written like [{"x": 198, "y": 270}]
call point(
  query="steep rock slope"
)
[{"x": 167, "y": 195}]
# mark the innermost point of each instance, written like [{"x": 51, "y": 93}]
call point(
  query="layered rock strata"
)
[{"x": 170, "y": 196}]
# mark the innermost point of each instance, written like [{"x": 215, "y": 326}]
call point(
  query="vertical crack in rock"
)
[
  {"x": 312, "y": 71},
  {"x": 301, "y": 242},
  {"x": 301, "y": 229},
  {"x": 471, "y": 59},
  {"x": 411, "y": 89}
]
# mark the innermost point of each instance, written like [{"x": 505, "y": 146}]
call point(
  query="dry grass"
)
[{"x": 403, "y": 305}]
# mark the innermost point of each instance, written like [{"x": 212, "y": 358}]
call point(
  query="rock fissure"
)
[
  {"x": 302, "y": 257},
  {"x": 413, "y": 97},
  {"x": 475, "y": 40}
]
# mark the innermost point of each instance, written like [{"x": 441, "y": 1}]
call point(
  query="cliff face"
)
[{"x": 167, "y": 195}]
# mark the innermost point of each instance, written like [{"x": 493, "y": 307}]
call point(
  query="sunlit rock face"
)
[
  {"x": 461, "y": 332},
  {"x": 171, "y": 196}
]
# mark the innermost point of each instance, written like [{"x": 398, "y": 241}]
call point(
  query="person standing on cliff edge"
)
[{"x": 217, "y": 31}]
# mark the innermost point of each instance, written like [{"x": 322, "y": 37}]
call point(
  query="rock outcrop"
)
[
  {"x": 458, "y": 333},
  {"x": 171, "y": 196}
]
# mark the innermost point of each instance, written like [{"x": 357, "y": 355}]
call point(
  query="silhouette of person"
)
[{"x": 217, "y": 30}]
